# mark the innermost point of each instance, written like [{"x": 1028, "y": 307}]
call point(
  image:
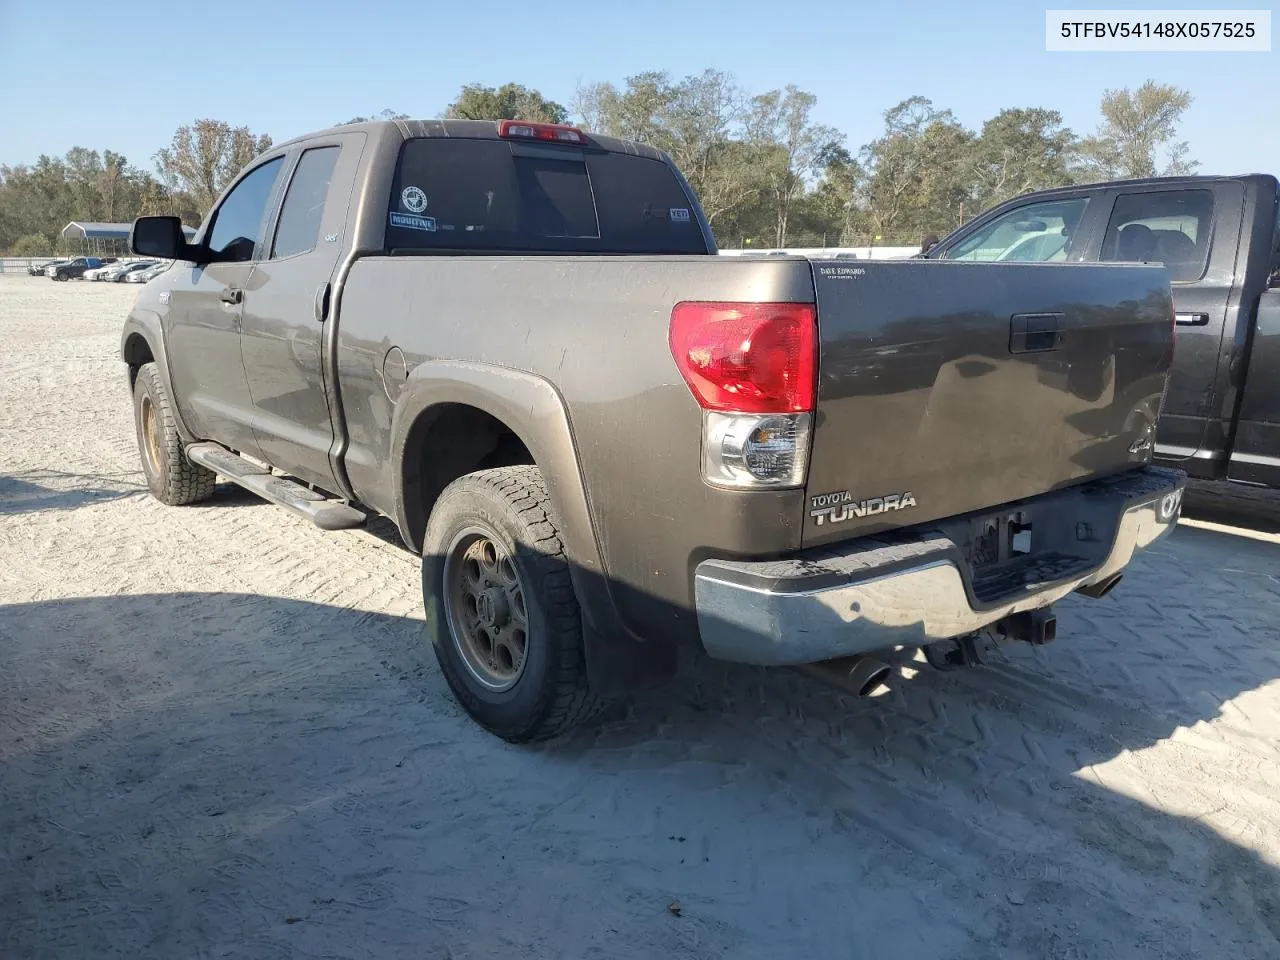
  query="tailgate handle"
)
[
  {"x": 1035, "y": 332},
  {"x": 1192, "y": 319}
]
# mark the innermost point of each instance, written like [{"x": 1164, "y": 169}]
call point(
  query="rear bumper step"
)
[
  {"x": 918, "y": 588},
  {"x": 324, "y": 513}
]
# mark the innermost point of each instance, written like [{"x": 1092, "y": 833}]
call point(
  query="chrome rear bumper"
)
[{"x": 913, "y": 591}]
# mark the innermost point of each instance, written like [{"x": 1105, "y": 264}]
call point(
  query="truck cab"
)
[{"x": 1219, "y": 239}]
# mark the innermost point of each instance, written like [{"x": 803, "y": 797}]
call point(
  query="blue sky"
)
[{"x": 285, "y": 67}]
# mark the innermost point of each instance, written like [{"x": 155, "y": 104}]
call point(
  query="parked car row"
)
[
  {"x": 117, "y": 272},
  {"x": 67, "y": 268},
  {"x": 110, "y": 269},
  {"x": 142, "y": 276}
]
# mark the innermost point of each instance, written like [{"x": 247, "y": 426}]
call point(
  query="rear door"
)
[
  {"x": 947, "y": 387},
  {"x": 286, "y": 309},
  {"x": 1194, "y": 231}
]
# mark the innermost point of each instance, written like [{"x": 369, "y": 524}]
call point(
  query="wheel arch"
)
[
  {"x": 141, "y": 342},
  {"x": 531, "y": 409},
  {"x": 442, "y": 396}
]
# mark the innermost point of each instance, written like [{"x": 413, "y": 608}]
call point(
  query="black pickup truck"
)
[
  {"x": 1219, "y": 237},
  {"x": 517, "y": 341}
]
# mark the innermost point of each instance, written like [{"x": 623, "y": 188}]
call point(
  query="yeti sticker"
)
[
  {"x": 679, "y": 214},
  {"x": 413, "y": 199}
]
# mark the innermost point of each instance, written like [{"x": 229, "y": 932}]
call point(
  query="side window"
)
[
  {"x": 299, "y": 227},
  {"x": 1170, "y": 226},
  {"x": 1036, "y": 232},
  {"x": 237, "y": 225}
]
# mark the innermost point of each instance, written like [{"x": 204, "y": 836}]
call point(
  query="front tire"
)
[
  {"x": 500, "y": 606},
  {"x": 172, "y": 478}
]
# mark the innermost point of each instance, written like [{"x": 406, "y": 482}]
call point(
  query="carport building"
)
[{"x": 97, "y": 239}]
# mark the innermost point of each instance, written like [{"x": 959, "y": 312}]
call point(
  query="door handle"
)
[
  {"x": 231, "y": 295},
  {"x": 1035, "y": 332},
  {"x": 1192, "y": 319},
  {"x": 322, "y": 302}
]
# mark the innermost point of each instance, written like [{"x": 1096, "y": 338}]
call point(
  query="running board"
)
[{"x": 324, "y": 513}]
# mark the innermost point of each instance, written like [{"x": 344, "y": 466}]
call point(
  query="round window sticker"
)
[{"x": 414, "y": 200}]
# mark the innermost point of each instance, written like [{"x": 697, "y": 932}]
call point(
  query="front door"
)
[
  {"x": 286, "y": 311},
  {"x": 205, "y": 309},
  {"x": 1193, "y": 232}
]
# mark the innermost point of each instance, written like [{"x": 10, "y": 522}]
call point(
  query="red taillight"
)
[
  {"x": 550, "y": 132},
  {"x": 747, "y": 357}
]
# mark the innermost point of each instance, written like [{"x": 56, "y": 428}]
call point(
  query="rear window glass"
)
[
  {"x": 1168, "y": 226},
  {"x": 495, "y": 195}
]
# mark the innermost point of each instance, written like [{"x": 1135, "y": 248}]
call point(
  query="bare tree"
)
[
  {"x": 793, "y": 149},
  {"x": 206, "y": 156},
  {"x": 1136, "y": 126}
]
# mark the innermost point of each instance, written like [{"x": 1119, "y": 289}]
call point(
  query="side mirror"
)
[{"x": 162, "y": 237}]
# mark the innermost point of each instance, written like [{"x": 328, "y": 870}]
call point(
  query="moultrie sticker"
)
[
  {"x": 410, "y": 221},
  {"x": 414, "y": 199},
  {"x": 679, "y": 214}
]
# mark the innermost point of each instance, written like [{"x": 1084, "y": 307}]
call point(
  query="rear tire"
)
[
  {"x": 500, "y": 606},
  {"x": 171, "y": 477}
]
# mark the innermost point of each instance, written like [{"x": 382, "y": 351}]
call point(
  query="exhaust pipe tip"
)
[
  {"x": 867, "y": 676},
  {"x": 861, "y": 676},
  {"x": 1096, "y": 591}
]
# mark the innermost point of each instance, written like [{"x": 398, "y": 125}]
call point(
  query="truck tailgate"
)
[{"x": 947, "y": 387}]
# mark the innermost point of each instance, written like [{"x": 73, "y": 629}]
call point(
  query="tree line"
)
[{"x": 766, "y": 172}]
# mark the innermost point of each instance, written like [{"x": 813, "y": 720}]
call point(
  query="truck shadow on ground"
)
[
  {"x": 235, "y": 775},
  {"x": 31, "y": 490},
  {"x": 1256, "y": 508}
]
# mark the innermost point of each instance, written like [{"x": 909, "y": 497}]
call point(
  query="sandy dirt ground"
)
[{"x": 221, "y": 736}]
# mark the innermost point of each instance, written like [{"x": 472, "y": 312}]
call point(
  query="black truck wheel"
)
[
  {"x": 501, "y": 610},
  {"x": 173, "y": 479}
]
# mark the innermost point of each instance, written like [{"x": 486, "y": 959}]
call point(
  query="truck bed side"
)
[{"x": 596, "y": 329}]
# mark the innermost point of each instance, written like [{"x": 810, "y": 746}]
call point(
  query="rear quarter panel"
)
[{"x": 595, "y": 329}]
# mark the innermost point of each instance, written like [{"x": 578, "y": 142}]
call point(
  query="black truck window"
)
[
  {"x": 1035, "y": 232},
  {"x": 503, "y": 197},
  {"x": 238, "y": 224},
  {"x": 299, "y": 226},
  {"x": 1167, "y": 226}
]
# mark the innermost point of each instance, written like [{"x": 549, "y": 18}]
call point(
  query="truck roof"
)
[
  {"x": 471, "y": 130},
  {"x": 1152, "y": 181}
]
